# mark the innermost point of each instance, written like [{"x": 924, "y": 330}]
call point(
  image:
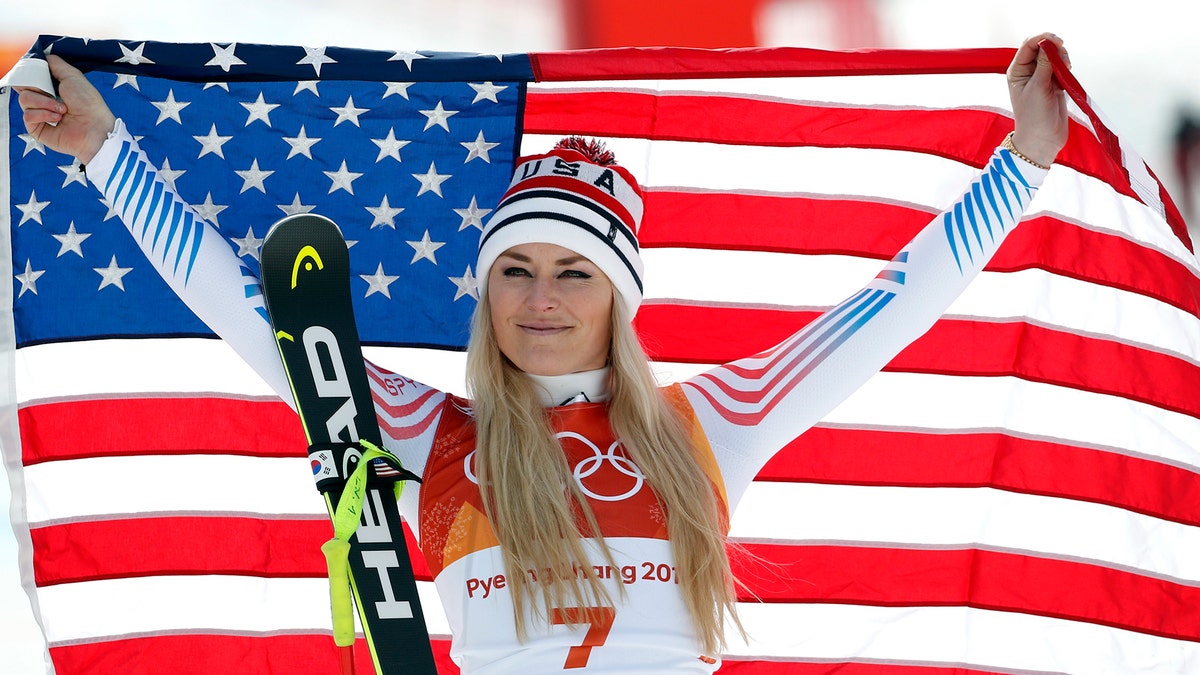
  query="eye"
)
[
  {"x": 575, "y": 274},
  {"x": 515, "y": 272}
]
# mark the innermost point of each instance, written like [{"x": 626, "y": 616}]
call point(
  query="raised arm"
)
[
  {"x": 1039, "y": 103},
  {"x": 753, "y": 407}
]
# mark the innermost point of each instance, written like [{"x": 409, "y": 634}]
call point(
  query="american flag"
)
[{"x": 1018, "y": 491}]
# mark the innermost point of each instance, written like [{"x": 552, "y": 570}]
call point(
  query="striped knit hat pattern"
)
[{"x": 574, "y": 196}]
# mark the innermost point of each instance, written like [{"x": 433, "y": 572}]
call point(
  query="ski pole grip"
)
[{"x": 337, "y": 560}]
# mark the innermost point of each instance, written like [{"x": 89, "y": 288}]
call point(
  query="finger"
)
[
  {"x": 60, "y": 69},
  {"x": 1065, "y": 56},
  {"x": 1058, "y": 45},
  {"x": 1030, "y": 58},
  {"x": 35, "y": 99},
  {"x": 36, "y": 116},
  {"x": 1045, "y": 66},
  {"x": 1061, "y": 49},
  {"x": 1025, "y": 60},
  {"x": 33, "y": 95},
  {"x": 1042, "y": 78},
  {"x": 1031, "y": 47},
  {"x": 1036, "y": 39}
]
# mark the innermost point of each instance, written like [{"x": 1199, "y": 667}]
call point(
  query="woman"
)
[{"x": 554, "y": 544}]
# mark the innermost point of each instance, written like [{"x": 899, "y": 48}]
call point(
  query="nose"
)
[{"x": 543, "y": 294}]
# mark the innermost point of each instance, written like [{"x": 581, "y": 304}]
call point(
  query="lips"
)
[{"x": 541, "y": 329}]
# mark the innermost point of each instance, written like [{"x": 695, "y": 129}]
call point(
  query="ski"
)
[{"x": 306, "y": 285}]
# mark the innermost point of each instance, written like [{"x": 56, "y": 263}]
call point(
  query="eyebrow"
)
[{"x": 570, "y": 260}]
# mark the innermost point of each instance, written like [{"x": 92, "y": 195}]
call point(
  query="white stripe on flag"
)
[
  {"x": 82, "y": 489},
  {"x": 131, "y": 367},
  {"x": 51, "y": 372},
  {"x": 888, "y": 175},
  {"x": 968, "y": 518},
  {"x": 225, "y": 604}
]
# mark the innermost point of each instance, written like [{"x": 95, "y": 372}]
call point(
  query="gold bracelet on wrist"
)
[{"x": 1008, "y": 145}]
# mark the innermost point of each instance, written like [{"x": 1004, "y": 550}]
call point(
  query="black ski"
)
[{"x": 306, "y": 285}]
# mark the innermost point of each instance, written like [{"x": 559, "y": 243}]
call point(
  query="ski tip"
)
[{"x": 302, "y": 220}]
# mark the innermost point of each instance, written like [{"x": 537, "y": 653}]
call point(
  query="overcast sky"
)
[{"x": 1140, "y": 61}]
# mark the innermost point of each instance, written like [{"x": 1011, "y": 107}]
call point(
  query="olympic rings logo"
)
[
  {"x": 587, "y": 468},
  {"x": 590, "y": 465}
]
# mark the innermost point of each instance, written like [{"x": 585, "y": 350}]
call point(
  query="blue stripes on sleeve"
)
[
  {"x": 142, "y": 199},
  {"x": 986, "y": 209}
]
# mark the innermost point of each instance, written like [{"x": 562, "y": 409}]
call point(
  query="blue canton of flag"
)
[{"x": 407, "y": 164}]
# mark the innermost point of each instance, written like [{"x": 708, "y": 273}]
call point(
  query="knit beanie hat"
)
[{"x": 574, "y": 196}]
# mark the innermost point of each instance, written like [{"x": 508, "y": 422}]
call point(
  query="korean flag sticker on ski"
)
[{"x": 324, "y": 465}]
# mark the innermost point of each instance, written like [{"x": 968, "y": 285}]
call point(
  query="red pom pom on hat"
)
[{"x": 594, "y": 150}]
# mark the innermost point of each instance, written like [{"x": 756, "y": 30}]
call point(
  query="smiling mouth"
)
[{"x": 542, "y": 330}]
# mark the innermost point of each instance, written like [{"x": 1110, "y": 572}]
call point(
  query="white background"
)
[{"x": 1139, "y": 60}]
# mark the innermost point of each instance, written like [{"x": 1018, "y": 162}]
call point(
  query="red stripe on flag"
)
[
  {"x": 211, "y": 654},
  {"x": 682, "y": 62},
  {"x": 711, "y": 334},
  {"x": 976, "y": 578},
  {"x": 995, "y": 460},
  {"x": 1035, "y": 353},
  {"x": 787, "y": 224},
  {"x": 87, "y": 551},
  {"x": 705, "y": 118},
  {"x": 135, "y": 426}
]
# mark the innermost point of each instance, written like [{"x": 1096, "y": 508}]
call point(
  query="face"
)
[{"x": 551, "y": 309}]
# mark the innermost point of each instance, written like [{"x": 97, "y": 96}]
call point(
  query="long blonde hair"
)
[{"x": 523, "y": 475}]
